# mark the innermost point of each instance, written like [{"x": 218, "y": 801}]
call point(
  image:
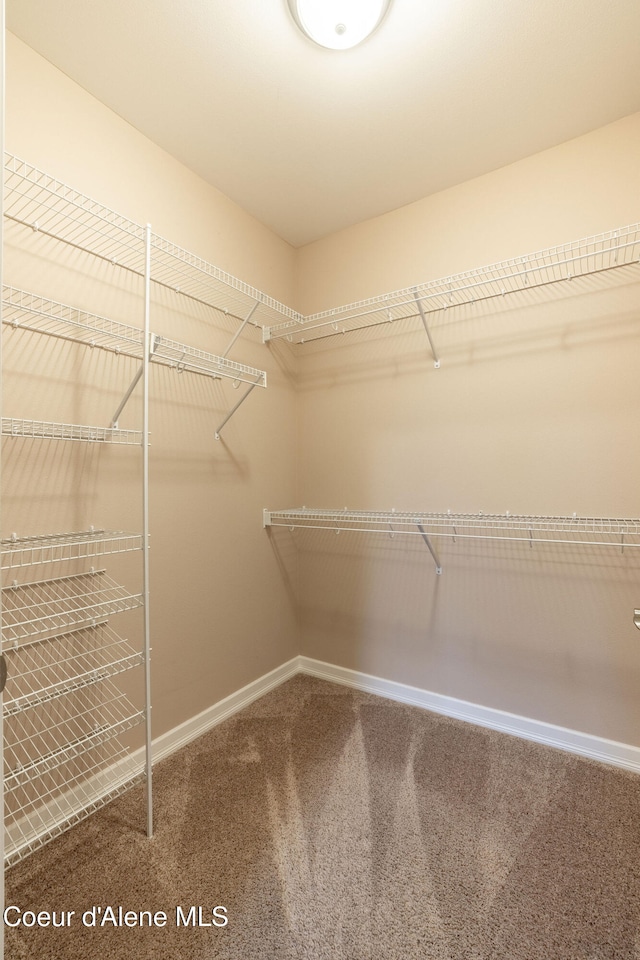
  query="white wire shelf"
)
[
  {"x": 40, "y": 672},
  {"x": 184, "y": 272},
  {"x": 479, "y": 526},
  {"x": 47, "y": 430},
  {"x": 604, "y": 251},
  {"x": 181, "y": 357},
  {"x": 69, "y": 801},
  {"x": 56, "y": 548},
  {"x": 52, "y": 208},
  {"x": 50, "y": 608},
  {"x": 23, "y": 310},
  {"x": 61, "y": 732},
  {"x": 28, "y": 311}
]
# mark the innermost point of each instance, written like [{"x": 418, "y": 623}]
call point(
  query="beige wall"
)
[
  {"x": 534, "y": 410},
  {"x": 220, "y": 613}
]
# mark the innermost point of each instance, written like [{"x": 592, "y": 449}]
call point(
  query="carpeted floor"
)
[{"x": 334, "y": 824}]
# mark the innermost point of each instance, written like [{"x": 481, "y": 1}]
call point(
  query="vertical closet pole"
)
[
  {"x": 145, "y": 520},
  {"x": 2, "y": 84}
]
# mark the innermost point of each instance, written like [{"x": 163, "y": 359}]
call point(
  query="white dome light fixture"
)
[{"x": 338, "y": 24}]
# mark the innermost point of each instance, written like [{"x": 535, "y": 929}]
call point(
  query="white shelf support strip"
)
[{"x": 436, "y": 359}]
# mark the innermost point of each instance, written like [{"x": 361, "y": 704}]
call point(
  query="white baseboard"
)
[
  {"x": 571, "y": 741},
  {"x": 168, "y": 743}
]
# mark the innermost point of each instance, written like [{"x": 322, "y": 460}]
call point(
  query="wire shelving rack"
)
[
  {"x": 49, "y": 608},
  {"x": 47, "y": 430},
  {"x": 579, "y": 258},
  {"x": 591, "y": 531},
  {"x": 41, "y": 672},
  {"x": 30, "y": 551},
  {"x": 22, "y": 310},
  {"x": 64, "y": 715}
]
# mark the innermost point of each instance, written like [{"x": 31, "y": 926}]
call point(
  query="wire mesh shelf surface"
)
[
  {"x": 22, "y": 310},
  {"x": 39, "y": 672},
  {"x": 47, "y": 430},
  {"x": 186, "y": 273},
  {"x": 28, "y": 311},
  {"x": 52, "y": 208},
  {"x": 62, "y": 731},
  {"x": 479, "y": 526},
  {"x": 55, "y": 548},
  {"x": 50, "y": 608},
  {"x": 605, "y": 251},
  {"x": 181, "y": 357}
]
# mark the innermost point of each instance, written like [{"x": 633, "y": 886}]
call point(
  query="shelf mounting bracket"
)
[
  {"x": 234, "y": 408},
  {"x": 241, "y": 328},
  {"x": 155, "y": 341},
  {"x": 436, "y": 358},
  {"x": 432, "y": 549}
]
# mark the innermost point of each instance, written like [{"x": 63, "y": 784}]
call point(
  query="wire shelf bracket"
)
[
  {"x": 134, "y": 383},
  {"x": 432, "y": 551},
  {"x": 436, "y": 358},
  {"x": 234, "y": 408}
]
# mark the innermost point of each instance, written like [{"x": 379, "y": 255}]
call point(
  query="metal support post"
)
[{"x": 145, "y": 523}]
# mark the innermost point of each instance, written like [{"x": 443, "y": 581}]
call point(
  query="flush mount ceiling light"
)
[{"x": 338, "y": 24}]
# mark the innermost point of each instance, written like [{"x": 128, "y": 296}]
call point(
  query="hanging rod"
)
[
  {"x": 592, "y": 255},
  {"x": 586, "y": 531}
]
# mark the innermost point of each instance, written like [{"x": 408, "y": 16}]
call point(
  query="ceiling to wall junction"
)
[{"x": 310, "y": 140}]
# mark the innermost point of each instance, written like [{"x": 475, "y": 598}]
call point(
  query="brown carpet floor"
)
[{"x": 334, "y": 824}]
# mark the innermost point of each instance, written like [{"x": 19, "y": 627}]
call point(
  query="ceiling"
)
[{"x": 310, "y": 140}]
